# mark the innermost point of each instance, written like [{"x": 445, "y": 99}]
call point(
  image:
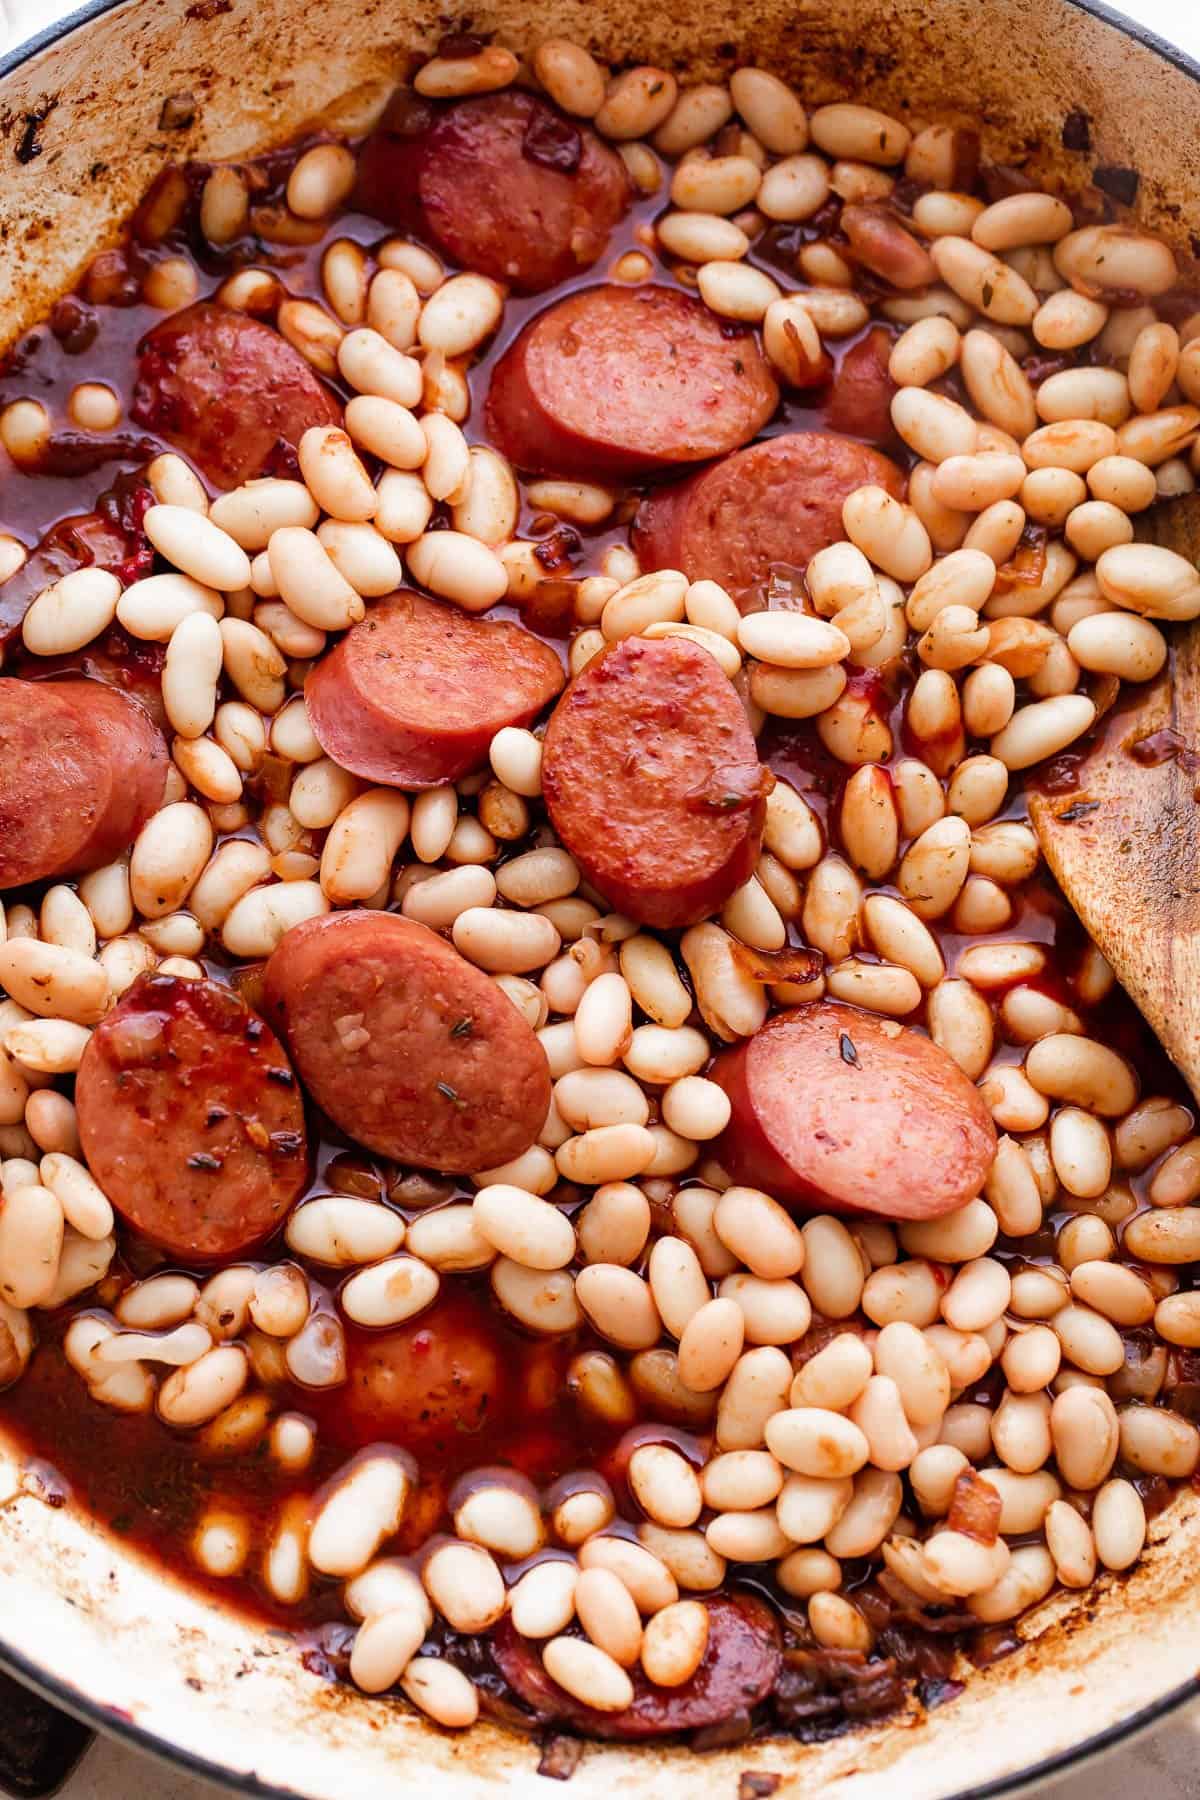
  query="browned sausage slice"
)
[
  {"x": 81, "y": 770},
  {"x": 652, "y": 780},
  {"x": 504, "y": 184},
  {"x": 412, "y": 1050},
  {"x": 191, "y": 1119},
  {"x": 776, "y": 502},
  {"x": 739, "y": 1669},
  {"x": 227, "y": 390},
  {"x": 616, "y": 382},
  {"x": 431, "y": 1385},
  {"x": 860, "y": 399},
  {"x": 414, "y": 694},
  {"x": 834, "y": 1108}
]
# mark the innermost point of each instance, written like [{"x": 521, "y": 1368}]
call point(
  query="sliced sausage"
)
[
  {"x": 652, "y": 780},
  {"x": 412, "y": 1050},
  {"x": 428, "y": 1384},
  {"x": 834, "y": 1108},
  {"x": 191, "y": 1118},
  {"x": 616, "y": 382},
  {"x": 131, "y": 665},
  {"x": 778, "y": 502},
  {"x": 414, "y": 694},
  {"x": 227, "y": 390},
  {"x": 739, "y": 1669},
  {"x": 81, "y": 770},
  {"x": 504, "y": 184},
  {"x": 860, "y": 399}
]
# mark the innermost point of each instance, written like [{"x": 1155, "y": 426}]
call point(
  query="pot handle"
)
[{"x": 39, "y": 1745}]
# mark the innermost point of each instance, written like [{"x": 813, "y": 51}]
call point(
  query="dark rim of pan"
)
[{"x": 111, "y": 1720}]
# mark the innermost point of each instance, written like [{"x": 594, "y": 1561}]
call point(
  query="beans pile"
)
[{"x": 909, "y": 1392}]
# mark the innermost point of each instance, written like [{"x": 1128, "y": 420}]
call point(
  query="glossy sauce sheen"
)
[{"x": 152, "y": 1485}]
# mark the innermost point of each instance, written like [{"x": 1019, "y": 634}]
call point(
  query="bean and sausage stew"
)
[{"x": 558, "y": 1140}]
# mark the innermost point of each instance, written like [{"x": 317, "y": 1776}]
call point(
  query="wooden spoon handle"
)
[{"x": 1124, "y": 846}]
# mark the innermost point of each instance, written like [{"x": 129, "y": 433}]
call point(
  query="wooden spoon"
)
[{"x": 1124, "y": 846}]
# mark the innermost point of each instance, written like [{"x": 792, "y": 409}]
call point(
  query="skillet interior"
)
[{"x": 104, "y": 1630}]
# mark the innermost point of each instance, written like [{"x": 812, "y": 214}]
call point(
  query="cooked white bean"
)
[
  {"x": 341, "y": 1231},
  {"x": 198, "y": 1392},
  {"x": 362, "y": 845},
  {"x": 1108, "y": 257},
  {"x": 390, "y": 1292},
  {"x": 815, "y": 1442},
  {"x": 1045, "y": 727},
  {"x": 983, "y": 281},
  {"x": 526, "y": 1229},
  {"x": 153, "y": 607},
  {"x": 168, "y": 855},
  {"x": 792, "y": 640},
  {"x": 252, "y": 662},
  {"x": 197, "y": 547},
  {"x": 458, "y": 568},
  {"x": 52, "y": 981},
  {"x": 860, "y": 133},
  {"x": 1159, "y": 1442},
  {"x": 732, "y": 1003},
  {"x": 888, "y": 532},
  {"x": 573, "y": 79},
  {"x": 310, "y": 582},
  {"x": 770, "y": 109},
  {"x": 174, "y": 483},
  {"x": 1147, "y": 579},
  {"x": 507, "y": 942},
  {"x": 365, "y": 1507},
  {"x": 31, "y": 1242},
  {"x": 69, "y": 614},
  {"x": 251, "y": 513},
  {"x": 1085, "y": 1073},
  {"x": 1084, "y": 1427},
  {"x": 256, "y": 921},
  {"x": 464, "y": 311}
]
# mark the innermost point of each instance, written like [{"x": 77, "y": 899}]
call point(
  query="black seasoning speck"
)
[
  {"x": 202, "y": 1159},
  {"x": 462, "y": 1028},
  {"x": 27, "y": 144},
  {"x": 1077, "y": 131},
  {"x": 452, "y": 1095},
  {"x": 1119, "y": 184},
  {"x": 284, "y": 1077},
  {"x": 848, "y": 1052}
]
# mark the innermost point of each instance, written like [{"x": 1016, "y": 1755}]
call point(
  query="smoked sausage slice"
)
[
  {"x": 836, "y": 1109},
  {"x": 616, "y": 382},
  {"x": 82, "y": 768},
  {"x": 191, "y": 1118},
  {"x": 652, "y": 780},
  {"x": 412, "y": 1050},
  {"x": 860, "y": 399},
  {"x": 503, "y": 184},
  {"x": 776, "y": 502},
  {"x": 227, "y": 390},
  {"x": 739, "y": 1669},
  {"x": 414, "y": 694},
  {"x": 431, "y": 1385}
]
